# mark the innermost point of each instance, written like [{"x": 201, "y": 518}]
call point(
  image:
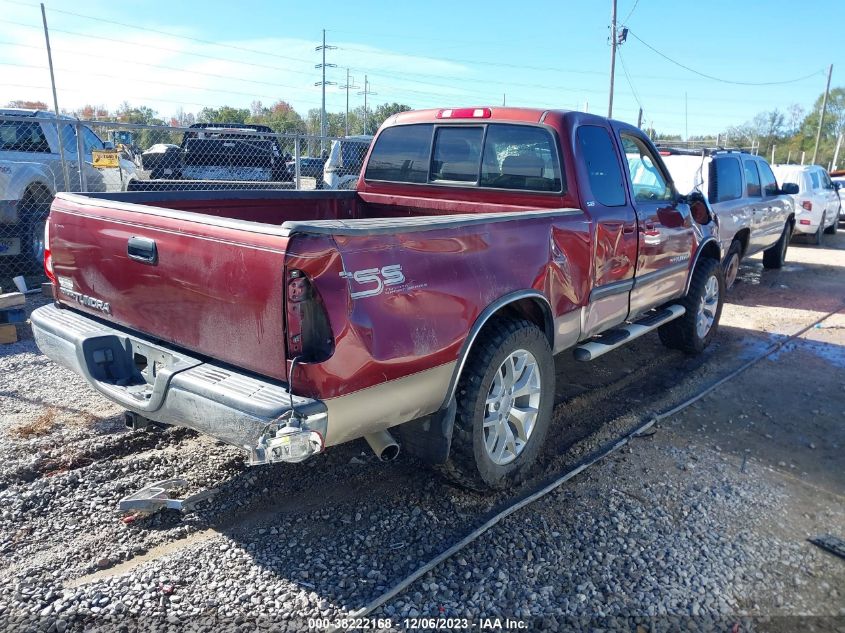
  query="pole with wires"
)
[
  {"x": 324, "y": 83},
  {"x": 350, "y": 84},
  {"x": 65, "y": 174},
  {"x": 612, "y": 57},
  {"x": 821, "y": 116}
]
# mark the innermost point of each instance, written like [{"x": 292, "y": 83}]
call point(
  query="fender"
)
[
  {"x": 701, "y": 248},
  {"x": 482, "y": 319}
]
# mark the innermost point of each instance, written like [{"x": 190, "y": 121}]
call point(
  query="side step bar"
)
[{"x": 617, "y": 337}]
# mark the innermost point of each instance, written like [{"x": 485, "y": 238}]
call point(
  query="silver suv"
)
[{"x": 754, "y": 213}]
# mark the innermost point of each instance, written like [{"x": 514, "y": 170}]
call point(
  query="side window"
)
[
  {"x": 22, "y": 137},
  {"x": 68, "y": 140},
  {"x": 648, "y": 182},
  {"x": 752, "y": 179},
  {"x": 767, "y": 178},
  {"x": 814, "y": 177},
  {"x": 90, "y": 141},
  {"x": 520, "y": 157},
  {"x": 401, "y": 154},
  {"x": 457, "y": 154},
  {"x": 728, "y": 179},
  {"x": 603, "y": 168}
]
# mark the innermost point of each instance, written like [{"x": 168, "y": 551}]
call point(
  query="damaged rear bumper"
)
[{"x": 171, "y": 387}]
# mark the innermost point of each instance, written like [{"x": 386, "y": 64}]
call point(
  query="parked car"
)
[
  {"x": 346, "y": 158},
  {"x": 838, "y": 178},
  {"x": 816, "y": 202},
  {"x": 219, "y": 152},
  {"x": 31, "y": 173},
  {"x": 309, "y": 167},
  {"x": 754, "y": 212},
  {"x": 480, "y": 242}
]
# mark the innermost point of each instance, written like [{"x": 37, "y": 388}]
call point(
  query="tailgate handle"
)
[{"x": 142, "y": 249}]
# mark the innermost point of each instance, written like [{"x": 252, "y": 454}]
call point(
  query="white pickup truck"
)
[
  {"x": 31, "y": 173},
  {"x": 754, "y": 213}
]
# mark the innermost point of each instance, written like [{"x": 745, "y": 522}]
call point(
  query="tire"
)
[
  {"x": 702, "y": 302},
  {"x": 33, "y": 216},
  {"x": 817, "y": 236},
  {"x": 486, "y": 377},
  {"x": 731, "y": 265},
  {"x": 831, "y": 230},
  {"x": 775, "y": 255}
]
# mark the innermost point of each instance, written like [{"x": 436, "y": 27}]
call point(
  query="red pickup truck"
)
[{"x": 430, "y": 302}]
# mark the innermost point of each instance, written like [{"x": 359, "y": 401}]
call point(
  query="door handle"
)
[{"x": 142, "y": 249}]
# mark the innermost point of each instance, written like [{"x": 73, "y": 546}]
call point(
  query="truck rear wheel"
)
[
  {"x": 693, "y": 332},
  {"x": 774, "y": 256},
  {"x": 732, "y": 264},
  {"x": 504, "y": 406}
]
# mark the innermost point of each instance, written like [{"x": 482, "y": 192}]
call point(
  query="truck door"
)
[
  {"x": 615, "y": 228},
  {"x": 665, "y": 226}
]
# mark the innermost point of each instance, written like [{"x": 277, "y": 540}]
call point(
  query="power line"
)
[
  {"x": 627, "y": 17},
  {"x": 724, "y": 81},
  {"x": 168, "y": 33},
  {"x": 628, "y": 79}
]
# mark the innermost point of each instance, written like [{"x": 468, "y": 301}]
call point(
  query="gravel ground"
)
[{"x": 679, "y": 530}]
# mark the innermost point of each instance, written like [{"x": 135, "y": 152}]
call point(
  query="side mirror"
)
[
  {"x": 108, "y": 145},
  {"x": 699, "y": 207},
  {"x": 789, "y": 188},
  {"x": 670, "y": 217}
]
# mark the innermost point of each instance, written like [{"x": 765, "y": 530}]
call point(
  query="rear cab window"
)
[{"x": 494, "y": 155}]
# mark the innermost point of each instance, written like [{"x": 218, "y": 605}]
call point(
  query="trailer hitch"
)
[{"x": 156, "y": 496}]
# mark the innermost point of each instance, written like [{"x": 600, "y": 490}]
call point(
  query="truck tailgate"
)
[{"x": 212, "y": 285}]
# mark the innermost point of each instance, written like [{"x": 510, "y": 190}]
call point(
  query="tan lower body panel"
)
[{"x": 387, "y": 404}]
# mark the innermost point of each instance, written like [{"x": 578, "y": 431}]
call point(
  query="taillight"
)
[
  {"x": 465, "y": 113},
  {"x": 309, "y": 336},
  {"x": 48, "y": 257},
  {"x": 807, "y": 204}
]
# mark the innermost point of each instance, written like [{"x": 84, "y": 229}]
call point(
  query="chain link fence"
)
[{"x": 41, "y": 155}]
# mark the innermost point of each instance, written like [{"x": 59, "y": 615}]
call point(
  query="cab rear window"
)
[
  {"x": 500, "y": 156},
  {"x": 22, "y": 137}
]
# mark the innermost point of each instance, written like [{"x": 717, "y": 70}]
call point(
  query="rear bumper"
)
[{"x": 166, "y": 385}]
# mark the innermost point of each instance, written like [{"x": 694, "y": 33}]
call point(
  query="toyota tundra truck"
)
[{"x": 423, "y": 309}]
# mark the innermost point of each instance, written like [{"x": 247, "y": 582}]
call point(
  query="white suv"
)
[{"x": 816, "y": 203}]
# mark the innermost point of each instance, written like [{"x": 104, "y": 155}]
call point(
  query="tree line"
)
[{"x": 790, "y": 132}]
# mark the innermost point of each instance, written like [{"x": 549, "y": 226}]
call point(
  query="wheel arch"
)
[
  {"x": 531, "y": 305},
  {"x": 743, "y": 236},
  {"x": 708, "y": 249}
]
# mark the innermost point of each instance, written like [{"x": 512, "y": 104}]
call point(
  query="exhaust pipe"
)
[{"x": 383, "y": 445}]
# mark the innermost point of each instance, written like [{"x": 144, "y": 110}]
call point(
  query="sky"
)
[{"x": 186, "y": 55}]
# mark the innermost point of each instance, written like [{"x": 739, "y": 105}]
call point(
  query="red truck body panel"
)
[{"x": 218, "y": 288}]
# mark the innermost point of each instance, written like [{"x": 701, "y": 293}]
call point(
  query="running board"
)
[{"x": 617, "y": 337}]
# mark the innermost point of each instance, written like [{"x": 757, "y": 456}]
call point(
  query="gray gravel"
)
[{"x": 669, "y": 528}]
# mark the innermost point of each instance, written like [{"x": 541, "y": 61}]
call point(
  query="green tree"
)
[{"x": 223, "y": 114}]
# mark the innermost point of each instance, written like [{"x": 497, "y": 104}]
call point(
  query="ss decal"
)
[{"x": 376, "y": 278}]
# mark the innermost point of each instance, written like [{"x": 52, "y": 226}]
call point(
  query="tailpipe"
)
[{"x": 384, "y": 446}]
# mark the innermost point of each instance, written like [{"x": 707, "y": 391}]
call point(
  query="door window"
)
[
  {"x": 648, "y": 182},
  {"x": 752, "y": 179},
  {"x": 603, "y": 169},
  {"x": 814, "y": 178},
  {"x": 767, "y": 179},
  {"x": 90, "y": 141}
]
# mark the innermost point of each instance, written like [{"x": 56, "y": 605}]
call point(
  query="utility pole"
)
[
  {"x": 640, "y": 119},
  {"x": 324, "y": 83},
  {"x": 836, "y": 151},
  {"x": 612, "y": 58},
  {"x": 686, "y": 117},
  {"x": 504, "y": 99},
  {"x": 366, "y": 91},
  {"x": 821, "y": 117},
  {"x": 349, "y": 84},
  {"x": 56, "y": 101}
]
